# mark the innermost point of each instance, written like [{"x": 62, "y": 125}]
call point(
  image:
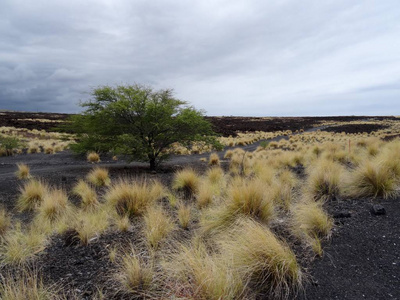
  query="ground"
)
[{"x": 361, "y": 261}]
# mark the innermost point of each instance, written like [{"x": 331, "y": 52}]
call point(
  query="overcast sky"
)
[{"x": 228, "y": 57}]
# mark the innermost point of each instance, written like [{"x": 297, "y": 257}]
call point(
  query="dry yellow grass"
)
[
  {"x": 26, "y": 285},
  {"x": 133, "y": 198},
  {"x": 93, "y": 157},
  {"x": 89, "y": 225},
  {"x": 184, "y": 215},
  {"x": 187, "y": 181},
  {"x": 265, "y": 262},
  {"x": 204, "y": 276},
  {"x": 214, "y": 159},
  {"x": 31, "y": 194},
  {"x": 21, "y": 245},
  {"x": 325, "y": 179},
  {"x": 134, "y": 275},
  {"x": 23, "y": 171},
  {"x": 309, "y": 218},
  {"x": 99, "y": 176},
  {"x": 54, "y": 206},
  {"x": 5, "y": 221},
  {"x": 157, "y": 225},
  {"x": 87, "y": 195},
  {"x": 372, "y": 179}
]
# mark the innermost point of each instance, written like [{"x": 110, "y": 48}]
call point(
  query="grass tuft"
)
[
  {"x": 372, "y": 179},
  {"x": 99, "y": 177},
  {"x": 23, "y": 171},
  {"x": 31, "y": 195},
  {"x": 157, "y": 225},
  {"x": 186, "y": 180},
  {"x": 267, "y": 263},
  {"x": 87, "y": 195},
  {"x": 133, "y": 198},
  {"x": 214, "y": 159},
  {"x": 93, "y": 157}
]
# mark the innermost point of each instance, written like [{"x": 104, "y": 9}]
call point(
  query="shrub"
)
[
  {"x": 265, "y": 262},
  {"x": 157, "y": 226},
  {"x": 23, "y": 171},
  {"x": 186, "y": 180},
  {"x": 31, "y": 195},
  {"x": 99, "y": 176},
  {"x": 93, "y": 157},
  {"x": 9, "y": 144}
]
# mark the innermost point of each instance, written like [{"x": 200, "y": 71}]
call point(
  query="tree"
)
[{"x": 138, "y": 121}]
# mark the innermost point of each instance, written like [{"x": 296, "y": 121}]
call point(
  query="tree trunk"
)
[{"x": 152, "y": 162}]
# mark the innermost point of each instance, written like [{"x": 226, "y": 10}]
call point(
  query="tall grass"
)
[
  {"x": 157, "y": 225},
  {"x": 23, "y": 171},
  {"x": 187, "y": 181},
  {"x": 31, "y": 195},
  {"x": 99, "y": 176},
  {"x": 133, "y": 198},
  {"x": 268, "y": 264}
]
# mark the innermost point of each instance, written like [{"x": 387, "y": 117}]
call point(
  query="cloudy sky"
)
[{"x": 228, "y": 57}]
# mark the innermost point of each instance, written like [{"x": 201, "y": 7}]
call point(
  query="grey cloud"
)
[{"x": 227, "y": 57}]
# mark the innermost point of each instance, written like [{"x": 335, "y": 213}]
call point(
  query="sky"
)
[{"x": 229, "y": 58}]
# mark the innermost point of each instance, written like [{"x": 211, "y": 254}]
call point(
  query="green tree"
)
[{"x": 138, "y": 121}]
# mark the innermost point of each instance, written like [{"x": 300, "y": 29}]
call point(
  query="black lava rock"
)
[
  {"x": 342, "y": 214},
  {"x": 377, "y": 210}
]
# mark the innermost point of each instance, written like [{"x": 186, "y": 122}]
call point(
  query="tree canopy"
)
[{"x": 138, "y": 121}]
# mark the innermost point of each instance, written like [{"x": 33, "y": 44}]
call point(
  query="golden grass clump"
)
[
  {"x": 204, "y": 196},
  {"x": 186, "y": 180},
  {"x": 93, "y": 157},
  {"x": 99, "y": 177},
  {"x": 214, "y": 159},
  {"x": 372, "y": 179},
  {"x": 23, "y": 171},
  {"x": 268, "y": 264},
  {"x": 245, "y": 197},
  {"x": 311, "y": 224},
  {"x": 309, "y": 218},
  {"x": 89, "y": 225},
  {"x": 250, "y": 198},
  {"x": 5, "y": 221},
  {"x": 184, "y": 215},
  {"x": 215, "y": 175},
  {"x": 325, "y": 179},
  {"x": 134, "y": 275},
  {"x": 87, "y": 195},
  {"x": 228, "y": 154},
  {"x": 201, "y": 275},
  {"x": 54, "y": 205},
  {"x": 133, "y": 198},
  {"x": 21, "y": 245},
  {"x": 157, "y": 226},
  {"x": 26, "y": 285},
  {"x": 31, "y": 195}
]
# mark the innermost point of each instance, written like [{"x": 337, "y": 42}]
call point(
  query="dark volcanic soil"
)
[
  {"x": 225, "y": 126},
  {"x": 356, "y": 128}
]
